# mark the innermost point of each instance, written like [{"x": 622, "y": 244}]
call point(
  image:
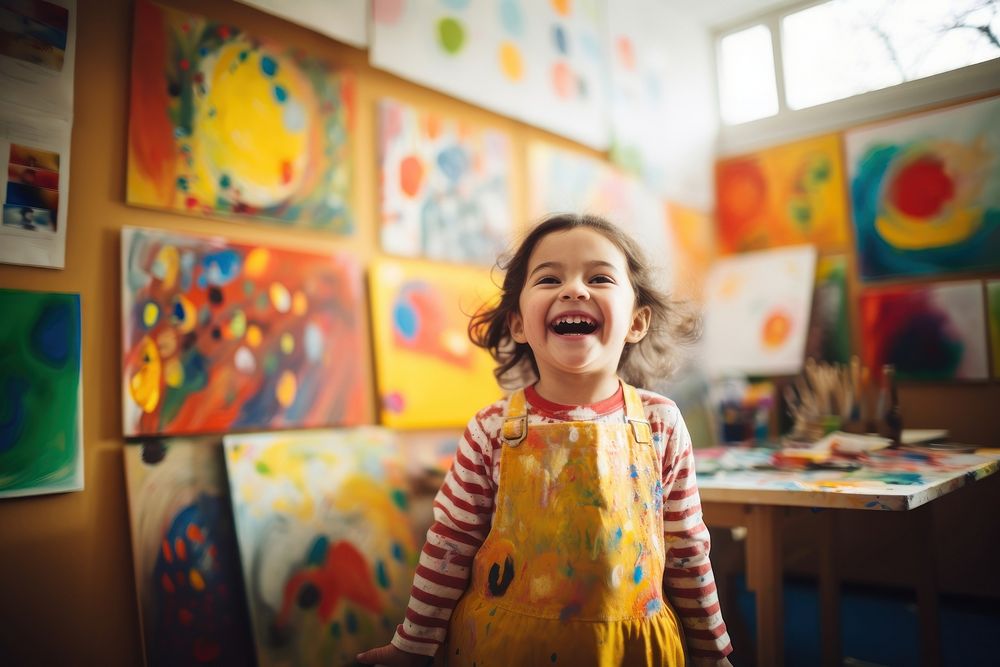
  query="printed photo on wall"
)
[
  {"x": 192, "y": 606},
  {"x": 37, "y": 54},
  {"x": 41, "y": 393},
  {"x": 34, "y": 187},
  {"x": 928, "y": 332},
  {"x": 926, "y": 192},
  {"x": 221, "y": 336},
  {"x": 326, "y": 541},
  {"x": 199, "y": 89},
  {"x": 445, "y": 186}
]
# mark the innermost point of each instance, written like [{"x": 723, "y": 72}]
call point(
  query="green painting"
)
[{"x": 40, "y": 393}]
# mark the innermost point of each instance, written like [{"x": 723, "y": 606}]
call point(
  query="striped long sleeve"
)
[
  {"x": 688, "y": 580},
  {"x": 463, "y": 511}
]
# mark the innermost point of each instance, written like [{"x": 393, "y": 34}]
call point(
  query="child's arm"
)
[
  {"x": 463, "y": 510},
  {"x": 688, "y": 580}
]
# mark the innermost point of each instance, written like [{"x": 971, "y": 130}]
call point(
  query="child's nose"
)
[{"x": 574, "y": 290}]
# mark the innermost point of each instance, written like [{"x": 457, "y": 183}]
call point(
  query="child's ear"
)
[
  {"x": 640, "y": 324},
  {"x": 516, "y": 326}
]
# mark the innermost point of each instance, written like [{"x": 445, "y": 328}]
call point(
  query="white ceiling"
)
[{"x": 712, "y": 13}]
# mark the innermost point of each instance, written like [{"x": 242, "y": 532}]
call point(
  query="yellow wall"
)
[{"x": 66, "y": 585}]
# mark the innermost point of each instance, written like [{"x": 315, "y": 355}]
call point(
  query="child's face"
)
[{"x": 577, "y": 307}]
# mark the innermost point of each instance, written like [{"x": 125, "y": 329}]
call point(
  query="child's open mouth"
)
[{"x": 574, "y": 325}]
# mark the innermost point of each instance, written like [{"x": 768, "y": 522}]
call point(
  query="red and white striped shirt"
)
[{"x": 463, "y": 511}]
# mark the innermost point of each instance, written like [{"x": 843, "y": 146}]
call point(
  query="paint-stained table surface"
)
[
  {"x": 741, "y": 487},
  {"x": 886, "y": 480}
]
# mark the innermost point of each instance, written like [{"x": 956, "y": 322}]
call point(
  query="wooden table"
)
[{"x": 738, "y": 489}]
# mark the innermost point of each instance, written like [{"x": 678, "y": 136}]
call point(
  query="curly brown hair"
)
[{"x": 673, "y": 325}]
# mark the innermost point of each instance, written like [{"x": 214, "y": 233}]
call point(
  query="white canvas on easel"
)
[{"x": 757, "y": 309}]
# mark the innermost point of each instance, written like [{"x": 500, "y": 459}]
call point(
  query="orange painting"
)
[
  {"x": 786, "y": 195},
  {"x": 694, "y": 233}
]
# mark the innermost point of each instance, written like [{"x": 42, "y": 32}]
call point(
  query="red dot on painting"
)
[
  {"x": 563, "y": 80},
  {"x": 286, "y": 172},
  {"x": 625, "y": 52},
  {"x": 185, "y": 65},
  {"x": 411, "y": 174},
  {"x": 921, "y": 188},
  {"x": 191, "y": 202},
  {"x": 394, "y": 402}
]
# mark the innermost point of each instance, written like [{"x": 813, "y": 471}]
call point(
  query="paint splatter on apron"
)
[{"x": 571, "y": 572}]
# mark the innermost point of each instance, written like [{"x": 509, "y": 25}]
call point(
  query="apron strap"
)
[
  {"x": 635, "y": 415},
  {"x": 515, "y": 425}
]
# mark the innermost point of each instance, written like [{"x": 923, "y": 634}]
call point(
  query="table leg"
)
[
  {"x": 921, "y": 529},
  {"x": 829, "y": 590},
  {"x": 764, "y": 578}
]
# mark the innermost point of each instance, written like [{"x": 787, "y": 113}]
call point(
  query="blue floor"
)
[{"x": 880, "y": 627}]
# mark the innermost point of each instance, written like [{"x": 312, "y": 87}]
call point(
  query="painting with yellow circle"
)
[
  {"x": 225, "y": 124},
  {"x": 428, "y": 372},
  {"x": 220, "y": 336}
]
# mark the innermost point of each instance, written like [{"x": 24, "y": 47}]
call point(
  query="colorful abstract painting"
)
[
  {"x": 344, "y": 20},
  {"x": 187, "y": 565},
  {"x": 428, "y": 372},
  {"x": 561, "y": 181},
  {"x": 786, "y": 195},
  {"x": 325, "y": 539},
  {"x": 694, "y": 234},
  {"x": 220, "y": 336},
  {"x": 830, "y": 326},
  {"x": 993, "y": 314},
  {"x": 540, "y": 62},
  {"x": 928, "y": 332},
  {"x": 41, "y": 395},
  {"x": 925, "y": 192},
  {"x": 445, "y": 187},
  {"x": 757, "y": 312},
  {"x": 224, "y": 123}
]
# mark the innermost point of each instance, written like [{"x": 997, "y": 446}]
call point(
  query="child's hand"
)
[{"x": 390, "y": 656}]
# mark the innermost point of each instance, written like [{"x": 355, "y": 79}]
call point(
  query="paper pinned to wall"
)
[
  {"x": 38, "y": 54},
  {"x": 34, "y": 185},
  {"x": 343, "y": 20},
  {"x": 757, "y": 312}
]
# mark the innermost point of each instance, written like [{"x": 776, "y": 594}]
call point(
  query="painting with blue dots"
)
[
  {"x": 41, "y": 396},
  {"x": 222, "y": 123}
]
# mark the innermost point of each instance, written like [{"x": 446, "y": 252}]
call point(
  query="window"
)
[
  {"x": 747, "y": 89},
  {"x": 819, "y": 66},
  {"x": 846, "y": 47}
]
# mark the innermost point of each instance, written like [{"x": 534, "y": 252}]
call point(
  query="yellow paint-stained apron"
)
[{"x": 572, "y": 570}]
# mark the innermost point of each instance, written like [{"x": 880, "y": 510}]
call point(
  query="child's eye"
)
[
  {"x": 547, "y": 280},
  {"x": 602, "y": 279}
]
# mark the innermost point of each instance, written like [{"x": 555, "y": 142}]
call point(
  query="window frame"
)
[{"x": 788, "y": 124}]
